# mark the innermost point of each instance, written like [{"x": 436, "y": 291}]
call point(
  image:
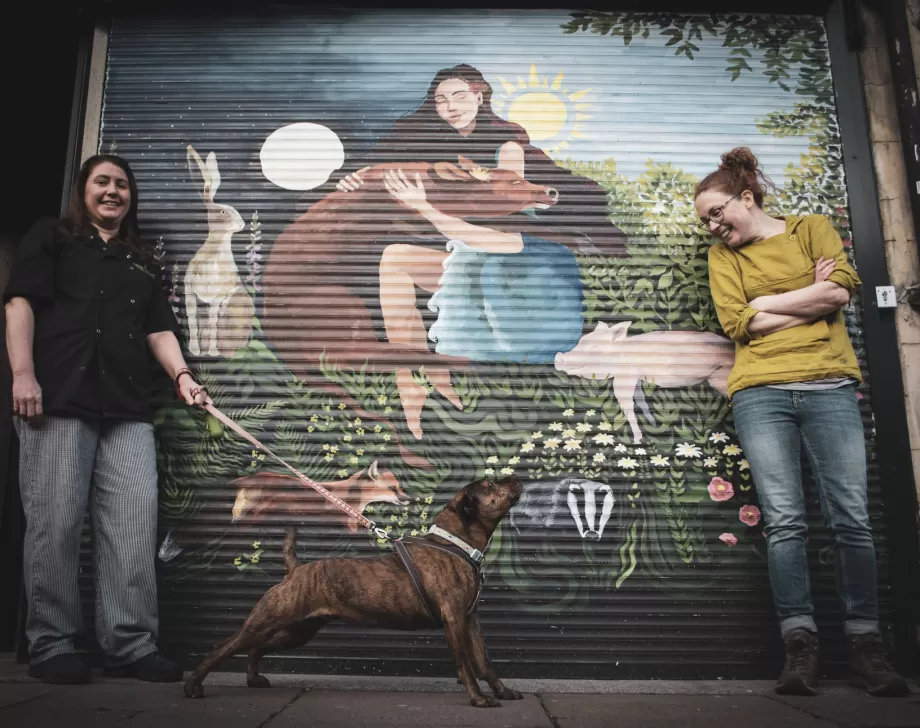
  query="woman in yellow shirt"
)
[{"x": 779, "y": 286}]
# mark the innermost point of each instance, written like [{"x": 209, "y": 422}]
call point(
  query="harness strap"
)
[{"x": 416, "y": 578}]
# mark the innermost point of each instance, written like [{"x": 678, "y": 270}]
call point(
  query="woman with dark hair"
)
[
  {"x": 498, "y": 277},
  {"x": 779, "y": 285},
  {"x": 84, "y": 312}
]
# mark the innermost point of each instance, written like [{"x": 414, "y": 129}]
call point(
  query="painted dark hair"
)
[
  {"x": 77, "y": 219},
  {"x": 425, "y": 116},
  {"x": 740, "y": 170}
]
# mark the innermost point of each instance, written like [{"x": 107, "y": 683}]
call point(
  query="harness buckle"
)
[
  {"x": 477, "y": 556},
  {"x": 378, "y": 532}
]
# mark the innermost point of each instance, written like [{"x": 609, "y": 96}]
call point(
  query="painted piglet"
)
[{"x": 663, "y": 358}]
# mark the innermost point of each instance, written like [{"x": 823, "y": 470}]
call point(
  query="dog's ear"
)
[{"x": 468, "y": 507}]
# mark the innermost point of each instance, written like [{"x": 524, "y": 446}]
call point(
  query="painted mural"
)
[{"x": 405, "y": 278}]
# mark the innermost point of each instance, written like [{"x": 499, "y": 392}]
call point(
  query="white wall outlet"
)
[{"x": 886, "y": 297}]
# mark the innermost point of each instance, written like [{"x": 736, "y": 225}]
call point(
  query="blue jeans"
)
[{"x": 773, "y": 426}]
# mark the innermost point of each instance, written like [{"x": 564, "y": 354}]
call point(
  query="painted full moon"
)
[{"x": 301, "y": 156}]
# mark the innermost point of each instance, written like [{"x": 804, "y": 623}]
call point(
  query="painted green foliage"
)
[{"x": 682, "y": 498}]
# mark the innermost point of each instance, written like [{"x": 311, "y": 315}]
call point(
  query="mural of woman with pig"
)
[
  {"x": 779, "y": 285},
  {"x": 496, "y": 278}
]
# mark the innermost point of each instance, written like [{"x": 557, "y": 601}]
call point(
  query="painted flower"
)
[
  {"x": 314, "y": 418},
  {"x": 603, "y": 439},
  {"x": 382, "y": 399},
  {"x": 377, "y": 428},
  {"x": 571, "y": 445},
  {"x": 570, "y": 433},
  {"x": 599, "y": 458},
  {"x": 346, "y": 437},
  {"x": 568, "y": 413},
  {"x": 584, "y": 427},
  {"x": 729, "y": 539},
  {"x": 360, "y": 451},
  {"x": 604, "y": 426},
  {"x": 718, "y": 437},
  {"x": 710, "y": 462},
  {"x": 620, "y": 448},
  {"x": 639, "y": 451},
  {"x": 387, "y": 436},
  {"x": 660, "y": 461},
  {"x": 329, "y": 458},
  {"x": 310, "y": 428},
  {"x": 527, "y": 447},
  {"x": 555, "y": 427},
  {"x": 627, "y": 463},
  {"x": 334, "y": 448},
  {"x": 507, "y": 471},
  {"x": 537, "y": 435},
  {"x": 257, "y": 544},
  {"x": 744, "y": 465},
  {"x": 237, "y": 561},
  {"x": 342, "y": 473},
  {"x": 342, "y": 406},
  {"x": 732, "y": 450},
  {"x": 489, "y": 471},
  {"x": 357, "y": 421},
  {"x": 551, "y": 444},
  {"x": 686, "y": 450},
  {"x": 720, "y": 490},
  {"x": 325, "y": 446},
  {"x": 492, "y": 459},
  {"x": 514, "y": 461},
  {"x": 749, "y": 515},
  {"x": 388, "y": 411},
  {"x": 353, "y": 460}
]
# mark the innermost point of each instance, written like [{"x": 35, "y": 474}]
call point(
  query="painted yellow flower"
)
[{"x": 732, "y": 450}]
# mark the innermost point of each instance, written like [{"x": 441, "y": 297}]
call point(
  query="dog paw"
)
[
  {"x": 483, "y": 701},
  {"x": 508, "y": 694},
  {"x": 193, "y": 690},
  {"x": 258, "y": 681}
]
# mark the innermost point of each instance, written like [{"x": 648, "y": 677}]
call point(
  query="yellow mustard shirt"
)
[{"x": 783, "y": 263}]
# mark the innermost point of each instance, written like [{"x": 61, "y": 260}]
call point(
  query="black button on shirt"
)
[{"x": 94, "y": 304}]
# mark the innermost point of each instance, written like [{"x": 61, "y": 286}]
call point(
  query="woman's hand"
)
[
  {"x": 824, "y": 268},
  {"x": 27, "y": 396},
  {"x": 409, "y": 194},
  {"x": 192, "y": 393},
  {"x": 351, "y": 182}
]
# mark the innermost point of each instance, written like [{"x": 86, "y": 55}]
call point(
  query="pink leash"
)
[{"x": 368, "y": 524}]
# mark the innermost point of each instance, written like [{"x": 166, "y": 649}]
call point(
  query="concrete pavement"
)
[{"x": 327, "y": 701}]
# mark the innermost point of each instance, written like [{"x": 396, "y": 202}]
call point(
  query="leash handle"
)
[{"x": 368, "y": 524}]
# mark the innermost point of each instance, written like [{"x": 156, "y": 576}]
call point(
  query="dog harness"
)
[{"x": 457, "y": 547}]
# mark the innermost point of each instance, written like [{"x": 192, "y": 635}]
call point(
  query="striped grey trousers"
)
[{"x": 65, "y": 465}]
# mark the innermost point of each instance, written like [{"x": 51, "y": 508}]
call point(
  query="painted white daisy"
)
[
  {"x": 489, "y": 471},
  {"x": 492, "y": 459},
  {"x": 627, "y": 463},
  {"x": 568, "y": 413},
  {"x": 600, "y": 458},
  {"x": 570, "y": 433},
  {"x": 584, "y": 427},
  {"x": 744, "y": 465},
  {"x": 537, "y": 435},
  {"x": 590, "y": 413},
  {"x": 660, "y": 461},
  {"x": 639, "y": 451},
  {"x": 603, "y": 439},
  {"x": 507, "y": 471},
  {"x": 710, "y": 462},
  {"x": 527, "y": 447},
  {"x": 732, "y": 450},
  {"x": 620, "y": 448},
  {"x": 555, "y": 427},
  {"x": 514, "y": 461},
  {"x": 718, "y": 437},
  {"x": 551, "y": 444},
  {"x": 686, "y": 450},
  {"x": 604, "y": 426},
  {"x": 571, "y": 445}
]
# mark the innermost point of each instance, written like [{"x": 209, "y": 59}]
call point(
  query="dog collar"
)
[{"x": 475, "y": 554}]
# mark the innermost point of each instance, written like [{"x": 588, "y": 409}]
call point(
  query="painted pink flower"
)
[
  {"x": 729, "y": 539},
  {"x": 749, "y": 515},
  {"x": 720, "y": 490}
]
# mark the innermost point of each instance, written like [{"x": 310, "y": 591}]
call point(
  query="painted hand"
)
[
  {"x": 409, "y": 194},
  {"x": 351, "y": 182},
  {"x": 823, "y": 269}
]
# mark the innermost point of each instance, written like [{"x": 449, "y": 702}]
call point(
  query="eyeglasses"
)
[{"x": 715, "y": 214}]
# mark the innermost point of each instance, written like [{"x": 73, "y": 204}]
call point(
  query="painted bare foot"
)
[
  {"x": 412, "y": 396},
  {"x": 440, "y": 378}
]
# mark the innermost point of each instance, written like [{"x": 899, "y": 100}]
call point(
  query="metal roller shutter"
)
[{"x": 624, "y": 559}]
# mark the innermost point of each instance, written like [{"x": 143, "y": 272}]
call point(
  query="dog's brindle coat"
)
[{"x": 378, "y": 592}]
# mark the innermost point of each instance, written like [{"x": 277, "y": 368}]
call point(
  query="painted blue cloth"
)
[{"x": 516, "y": 307}]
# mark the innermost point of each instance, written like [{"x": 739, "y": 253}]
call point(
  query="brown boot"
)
[
  {"x": 870, "y": 668},
  {"x": 800, "y": 670}
]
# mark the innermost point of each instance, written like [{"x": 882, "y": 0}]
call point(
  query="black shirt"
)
[{"x": 94, "y": 304}]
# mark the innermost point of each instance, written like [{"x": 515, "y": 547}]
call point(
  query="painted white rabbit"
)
[{"x": 212, "y": 276}]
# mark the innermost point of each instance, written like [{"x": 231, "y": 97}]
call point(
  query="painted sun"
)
[{"x": 550, "y": 113}]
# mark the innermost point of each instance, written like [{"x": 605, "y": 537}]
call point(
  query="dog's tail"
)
[{"x": 289, "y": 552}]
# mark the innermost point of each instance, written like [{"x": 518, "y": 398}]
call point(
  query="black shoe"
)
[
  {"x": 65, "y": 669},
  {"x": 150, "y": 668},
  {"x": 870, "y": 668},
  {"x": 800, "y": 670}
]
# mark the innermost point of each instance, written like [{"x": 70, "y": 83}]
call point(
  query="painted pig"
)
[{"x": 664, "y": 358}]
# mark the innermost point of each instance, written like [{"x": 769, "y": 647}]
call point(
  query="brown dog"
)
[{"x": 378, "y": 592}]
